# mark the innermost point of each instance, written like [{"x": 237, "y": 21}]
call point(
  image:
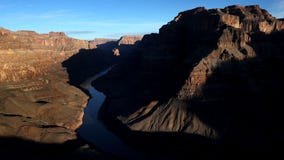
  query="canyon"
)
[
  {"x": 36, "y": 100},
  {"x": 206, "y": 83},
  {"x": 40, "y": 102}
]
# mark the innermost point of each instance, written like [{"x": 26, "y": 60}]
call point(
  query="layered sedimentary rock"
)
[
  {"x": 129, "y": 40},
  {"x": 203, "y": 74},
  {"x": 25, "y": 54},
  {"x": 36, "y": 101},
  {"x": 43, "y": 109}
]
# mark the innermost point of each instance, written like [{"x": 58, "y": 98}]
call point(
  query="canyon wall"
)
[
  {"x": 129, "y": 40},
  {"x": 205, "y": 73},
  {"x": 26, "y": 54},
  {"x": 37, "y": 72}
]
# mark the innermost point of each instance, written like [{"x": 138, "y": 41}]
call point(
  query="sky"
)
[{"x": 89, "y": 19}]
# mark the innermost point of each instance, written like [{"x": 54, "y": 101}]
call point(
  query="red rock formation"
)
[
  {"x": 129, "y": 40},
  {"x": 44, "y": 108},
  {"x": 36, "y": 102},
  {"x": 26, "y": 54}
]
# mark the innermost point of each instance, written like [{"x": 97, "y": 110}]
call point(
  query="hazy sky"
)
[{"x": 89, "y": 19}]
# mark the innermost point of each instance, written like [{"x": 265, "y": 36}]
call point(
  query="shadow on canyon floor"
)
[
  {"x": 88, "y": 62},
  {"x": 17, "y": 148},
  {"x": 237, "y": 100}
]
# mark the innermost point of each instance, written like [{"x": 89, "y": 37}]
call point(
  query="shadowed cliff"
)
[
  {"x": 88, "y": 62},
  {"x": 237, "y": 101},
  {"x": 213, "y": 73},
  {"x": 17, "y": 148}
]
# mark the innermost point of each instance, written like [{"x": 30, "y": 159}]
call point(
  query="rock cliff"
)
[
  {"x": 129, "y": 40},
  {"x": 208, "y": 73},
  {"x": 26, "y": 54}
]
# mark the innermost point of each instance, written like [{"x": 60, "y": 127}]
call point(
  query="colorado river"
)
[{"x": 93, "y": 131}]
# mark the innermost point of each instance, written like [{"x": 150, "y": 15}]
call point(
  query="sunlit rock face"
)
[
  {"x": 129, "y": 40},
  {"x": 36, "y": 101},
  {"x": 197, "y": 73},
  {"x": 26, "y": 54}
]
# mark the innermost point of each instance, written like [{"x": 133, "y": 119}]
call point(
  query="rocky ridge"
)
[{"x": 201, "y": 76}]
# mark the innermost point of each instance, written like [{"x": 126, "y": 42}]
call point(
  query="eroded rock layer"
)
[
  {"x": 36, "y": 101},
  {"x": 129, "y": 40}
]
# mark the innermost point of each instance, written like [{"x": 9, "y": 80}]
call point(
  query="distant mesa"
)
[
  {"x": 129, "y": 40},
  {"x": 99, "y": 41}
]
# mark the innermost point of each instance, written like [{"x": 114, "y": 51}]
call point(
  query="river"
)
[{"x": 93, "y": 131}]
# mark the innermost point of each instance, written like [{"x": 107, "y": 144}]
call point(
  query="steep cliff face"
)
[
  {"x": 30, "y": 40},
  {"x": 196, "y": 75},
  {"x": 26, "y": 54},
  {"x": 219, "y": 34},
  {"x": 215, "y": 36}
]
